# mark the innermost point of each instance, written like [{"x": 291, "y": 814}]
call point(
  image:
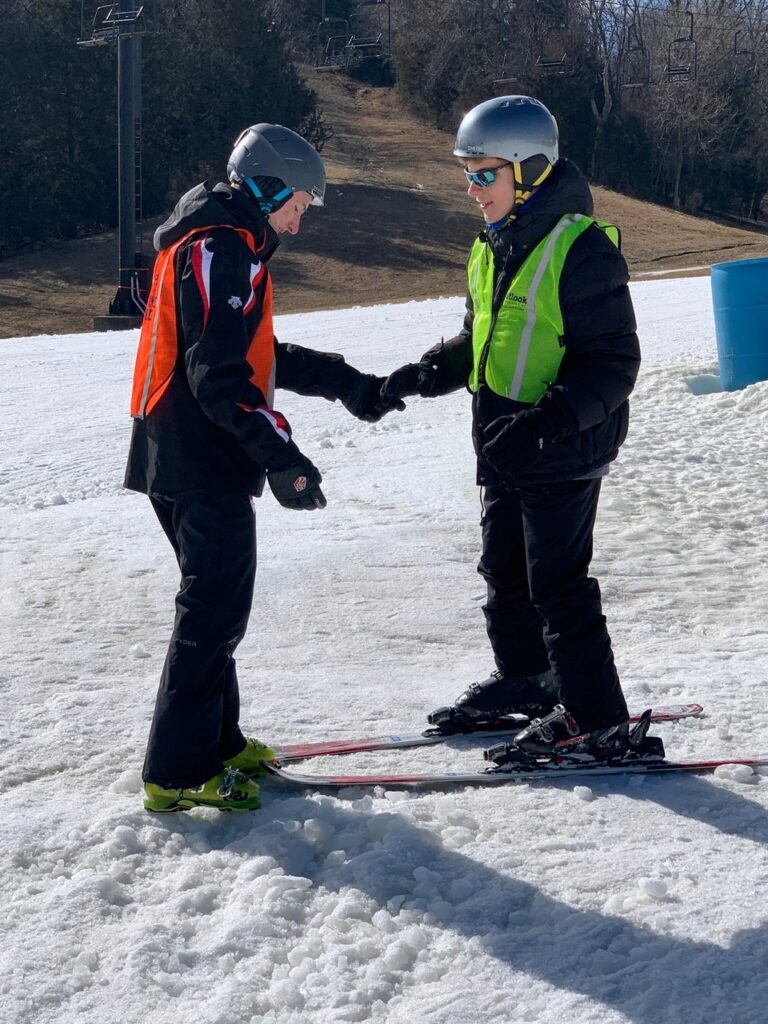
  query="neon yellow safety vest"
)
[{"x": 520, "y": 348}]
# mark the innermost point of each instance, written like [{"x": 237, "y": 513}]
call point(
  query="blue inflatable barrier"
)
[{"x": 740, "y": 302}]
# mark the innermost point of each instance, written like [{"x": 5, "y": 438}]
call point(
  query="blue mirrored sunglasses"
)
[{"x": 485, "y": 177}]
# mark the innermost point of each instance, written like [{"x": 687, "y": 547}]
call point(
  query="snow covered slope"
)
[{"x": 628, "y": 902}]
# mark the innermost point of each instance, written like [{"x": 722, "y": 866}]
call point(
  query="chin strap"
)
[
  {"x": 524, "y": 190},
  {"x": 269, "y": 204}
]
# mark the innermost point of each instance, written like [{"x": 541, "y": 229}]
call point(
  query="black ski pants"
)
[
  {"x": 195, "y": 724},
  {"x": 543, "y": 609}
]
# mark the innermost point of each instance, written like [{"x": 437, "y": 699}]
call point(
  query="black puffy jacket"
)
[
  {"x": 203, "y": 433},
  {"x": 588, "y": 401}
]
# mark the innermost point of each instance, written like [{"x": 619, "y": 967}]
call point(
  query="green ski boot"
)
[
  {"x": 230, "y": 790},
  {"x": 250, "y": 760}
]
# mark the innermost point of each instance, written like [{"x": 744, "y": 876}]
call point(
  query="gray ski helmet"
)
[
  {"x": 511, "y": 128},
  {"x": 272, "y": 151}
]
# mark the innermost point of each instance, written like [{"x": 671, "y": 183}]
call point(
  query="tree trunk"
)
[{"x": 679, "y": 155}]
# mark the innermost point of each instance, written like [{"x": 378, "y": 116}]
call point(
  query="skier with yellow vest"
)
[
  {"x": 549, "y": 352},
  {"x": 205, "y": 438}
]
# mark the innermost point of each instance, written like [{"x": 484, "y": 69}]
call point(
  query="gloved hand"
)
[
  {"x": 402, "y": 383},
  {"x": 428, "y": 378},
  {"x": 367, "y": 401},
  {"x": 512, "y": 444},
  {"x": 435, "y": 372},
  {"x": 298, "y": 485}
]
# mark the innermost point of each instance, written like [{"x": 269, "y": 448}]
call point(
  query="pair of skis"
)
[{"x": 292, "y": 752}]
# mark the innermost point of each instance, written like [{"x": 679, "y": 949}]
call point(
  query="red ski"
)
[
  {"x": 506, "y": 774},
  {"x": 288, "y": 752}
]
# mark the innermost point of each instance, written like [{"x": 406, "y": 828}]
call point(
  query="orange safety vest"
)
[{"x": 159, "y": 345}]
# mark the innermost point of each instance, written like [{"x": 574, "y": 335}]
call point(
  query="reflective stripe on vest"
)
[
  {"x": 157, "y": 354},
  {"x": 520, "y": 351}
]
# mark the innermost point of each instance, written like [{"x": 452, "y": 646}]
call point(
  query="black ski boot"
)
[
  {"x": 558, "y": 736},
  {"x": 497, "y": 702}
]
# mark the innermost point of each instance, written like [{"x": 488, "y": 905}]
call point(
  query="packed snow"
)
[{"x": 625, "y": 901}]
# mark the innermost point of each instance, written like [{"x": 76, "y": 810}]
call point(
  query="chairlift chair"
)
[
  {"x": 332, "y": 44},
  {"x": 109, "y": 23},
  {"x": 509, "y": 74},
  {"x": 682, "y": 56},
  {"x": 744, "y": 65},
  {"x": 371, "y": 29},
  {"x": 552, "y": 64},
  {"x": 637, "y": 60}
]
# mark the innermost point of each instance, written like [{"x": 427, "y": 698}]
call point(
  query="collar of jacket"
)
[
  {"x": 565, "y": 191},
  {"x": 204, "y": 205}
]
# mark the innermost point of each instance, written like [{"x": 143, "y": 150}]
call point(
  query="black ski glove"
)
[
  {"x": 434, "y": 374},
  {"x": 402, "y": 383},
  {"x": 434, "y": 371},
  {"x": 513, "y": 444},
  {"x": 298, "y": 485},
  {"x": 366, "y": 400},
  {"x": 427, "y": 378}
]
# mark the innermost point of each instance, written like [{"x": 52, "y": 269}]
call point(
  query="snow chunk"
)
[
  {"x": 616, "y": 904},
  {"x": 139, "y": 651},
  {"x": 128, "y": 782},
  {"x": 125, "y": 841},
  {"x": 415, "y": 937},
  {"x": 736, "y": 773},
  {"x": 583, "y": 793},
  {"x": 354, "y": 907},
  {"x": 257, "y": 867},
  {"x": 317, "y": 832},
  {"x": 450, "y": 811},
  {"x": 382, "y": 920},
  {"x": 399, "y": 955},
  {"x": 656, "y": 888},
  {"x": 455, "y": 838},
  {"x": 285, "y": 993}
]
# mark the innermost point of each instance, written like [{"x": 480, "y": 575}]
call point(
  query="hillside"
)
[{"x": 397, "y": 225}]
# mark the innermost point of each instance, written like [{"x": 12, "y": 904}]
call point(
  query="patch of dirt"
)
[{"x": 397, "y": 225}]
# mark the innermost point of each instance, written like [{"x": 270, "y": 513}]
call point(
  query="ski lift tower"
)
[{"x": 122, "y": 22}]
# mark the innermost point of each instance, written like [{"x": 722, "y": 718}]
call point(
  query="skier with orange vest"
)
[{"x": 206, "y": 436}]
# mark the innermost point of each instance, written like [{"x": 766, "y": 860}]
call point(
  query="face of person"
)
[
  {"x": 496, "y": 200},
  {"x": 287, "y": 219}
]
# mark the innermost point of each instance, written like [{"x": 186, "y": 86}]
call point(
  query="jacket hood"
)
[
  {"x": 565, "y": 191},
  {"x": 204, "y": 206}
]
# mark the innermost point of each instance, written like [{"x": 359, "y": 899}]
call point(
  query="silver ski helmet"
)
[
  {"x": 272, "y": 151},
  {"x": 512, "y": 128}
]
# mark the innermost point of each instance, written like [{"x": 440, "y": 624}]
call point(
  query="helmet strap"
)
[
  {"x": 269, "y": 204},
  {"x": 524, "y": 190}
]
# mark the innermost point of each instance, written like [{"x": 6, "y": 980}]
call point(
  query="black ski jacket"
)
[
  {"x": 205, "y": 431},
  {"x": 588, "y": 400}
]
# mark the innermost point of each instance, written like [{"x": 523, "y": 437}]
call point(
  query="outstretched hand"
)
[
  {"x": 402, "y": 383},
  {"x": 430, "y": 377},
  {"x": 367, "y": 401}
]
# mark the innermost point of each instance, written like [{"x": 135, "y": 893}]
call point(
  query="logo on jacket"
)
[
  {"x": 521, "y": 300},
  {"x": 235, "y": 302}
]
